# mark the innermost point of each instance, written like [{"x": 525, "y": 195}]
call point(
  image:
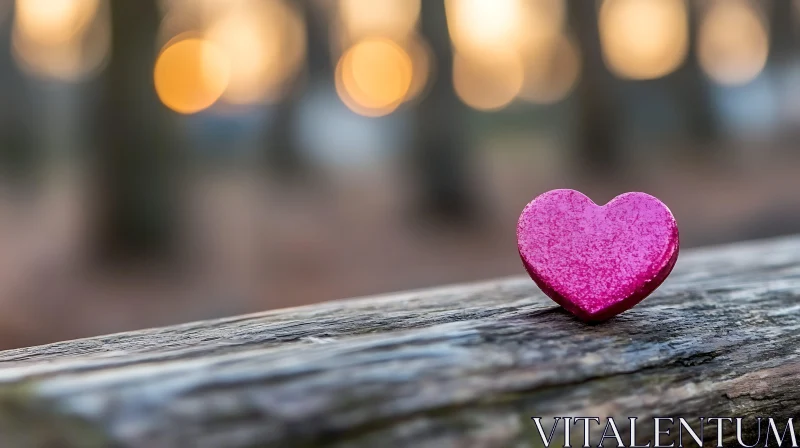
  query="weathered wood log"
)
[{"x": 457, "y": 366}]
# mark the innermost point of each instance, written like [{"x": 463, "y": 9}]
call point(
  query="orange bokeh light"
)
[
  {"x": 392, "y": 18},
  {"x": 644, "y": 39},
  {"x": 485, "y": 84},
  {"x": 374, "y": 76},
  {"x": 54, "y": 21},
  {"x": 67, "y": 40},
  {"x": 265, "y": 43},
  {"x": 733, "y": 42},
  {"x": 190, "y": 75}
]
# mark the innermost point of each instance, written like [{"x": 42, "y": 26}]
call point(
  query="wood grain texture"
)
[{"x": 456, "y": 366}]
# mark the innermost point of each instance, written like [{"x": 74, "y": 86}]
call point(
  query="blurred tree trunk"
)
[
  {"x": 693, "y": 90},
  {"x": 134, "y": 166},
  {"x": 782, "y": 16},
  {"x": 598, "y": 134},
  {"x": 441, "y": 151},
  {"x": 284, "y": 156},
  {"x": 19, "y": 154}
]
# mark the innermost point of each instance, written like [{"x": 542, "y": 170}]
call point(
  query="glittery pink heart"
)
[{"x": 597, "y": 261}]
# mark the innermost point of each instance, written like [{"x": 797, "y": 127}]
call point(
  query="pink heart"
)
[{"x": 597, "y": 261}]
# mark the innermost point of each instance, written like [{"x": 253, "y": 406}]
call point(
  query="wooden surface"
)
[{"x": 457, "y": 366}]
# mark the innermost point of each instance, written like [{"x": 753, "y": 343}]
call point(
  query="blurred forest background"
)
[{"x": 164, "y": 161}]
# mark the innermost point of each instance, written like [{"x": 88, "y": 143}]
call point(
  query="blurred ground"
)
[{"x": 253, "y": 245}]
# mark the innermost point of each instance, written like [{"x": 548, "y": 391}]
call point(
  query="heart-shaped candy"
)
[{"x": 597, "y": 261}]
